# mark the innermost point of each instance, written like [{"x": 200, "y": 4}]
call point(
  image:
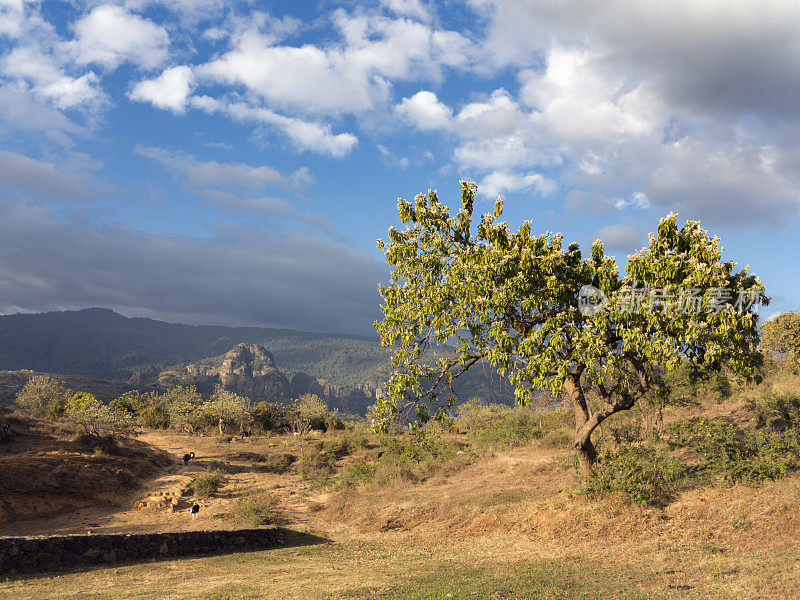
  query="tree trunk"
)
[
  {"x": 220, "y": 427},
  {"x": 582, "y": 439}
]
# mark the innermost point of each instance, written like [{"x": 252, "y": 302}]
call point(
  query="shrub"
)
[
  {"x": 228, "y": 407},
  {"x": 96, "y": 418},
  {"x": 105, "y": 443},
  {"x": 130, "y": 404},
  {"x": 739, "y": 456},
  {"x": 311, "y": 412},
  {"x": 154, "y": 416},
  {"x": 184, "y": 406},
  {"x": 642, "y": 474},
  {"x": 275, "y": 463},
  {"x": 256, "y": 511},
  {"x": 42, "y": 396},
  {"x": 506, "y": 427},
  {"x": 269, "y": 416},
  {"x": 208, "y": 484},
  {"x": 356, "y": 474}
]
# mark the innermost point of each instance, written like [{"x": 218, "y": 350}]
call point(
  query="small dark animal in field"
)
[
  {"x": 455, "y": 430},
  {"x": 6, "y": 434},
  {"x": 194, "y": 510},
  {"x": 187, "y": 458}
]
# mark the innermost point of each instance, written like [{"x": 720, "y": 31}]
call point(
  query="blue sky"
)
[{"x": 207, "y": 161}]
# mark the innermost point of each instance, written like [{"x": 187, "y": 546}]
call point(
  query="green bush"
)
[
  {"x": 154, "y": 416},
  {"x": 739, "y": 456},
  {"x": 269, "y": 416},
  {"x": 311, "y": 412},
  {"x": 129, "y": 404},
  {"x": 643, "y": 474},
  {"x": 256, "y": 511},
  {"x": 208, "y": 484},
  {"x": 356, "y": 474},
  {"x": 43, "y": 397},
  {"x": 506, "y": 427}
]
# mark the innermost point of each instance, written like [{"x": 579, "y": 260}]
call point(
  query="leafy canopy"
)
[
  {"x": 781, "y": 336},
  {"x": 509, "y": 299}
]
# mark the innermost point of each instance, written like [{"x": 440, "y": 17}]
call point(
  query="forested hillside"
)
[{"x": 100, "y": 343}]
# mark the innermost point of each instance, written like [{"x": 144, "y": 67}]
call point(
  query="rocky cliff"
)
[{"x": 250, "y": 370}]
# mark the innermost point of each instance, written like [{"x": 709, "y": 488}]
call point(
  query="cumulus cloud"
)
[
  {"x": 425, "y": 111},
  {"x": 47, "y": 80},
  {"x": 686, "y": 105},
  {"x": 168, "y": 91},
  {"x": 20, "y": 114},
  {"x": 110, "y": 35},
  {"x": 304, "y": 135},
  {"x": 236, "y": 277},
  {"x": 349, "y": 77},
  {"x": 497, "y": 182}
]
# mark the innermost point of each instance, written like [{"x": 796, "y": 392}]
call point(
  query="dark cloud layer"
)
[{"x": 238, "y": 277}]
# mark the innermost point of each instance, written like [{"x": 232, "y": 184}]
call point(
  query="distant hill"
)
[{"x": 102, "y": 344}]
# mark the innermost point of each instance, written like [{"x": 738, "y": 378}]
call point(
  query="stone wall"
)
[{"x": 44, "y": 553}]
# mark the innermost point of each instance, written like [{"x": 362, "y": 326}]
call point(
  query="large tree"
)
[
  {"x": 464, "y": 294},
  {"x": 781, "y": 336}
]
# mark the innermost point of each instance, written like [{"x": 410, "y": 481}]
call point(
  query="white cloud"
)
[
  {"x": 408, "y": 8},
  {"x": 305, "y": 135},
  {"x": 169, "y": 90},
  {"x": 212, "y": 174},
  {"x": 391, "y": 160},
  {"x": 349, "y": 77},
  {"x": 497, "y": 182},
  {"x": 425, "y": 111},
  {"x": 47, "y": 79},
  {"x": 111, "y": 35}
]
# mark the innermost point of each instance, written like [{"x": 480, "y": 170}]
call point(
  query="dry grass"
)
[{"x": 502, "y": 523}]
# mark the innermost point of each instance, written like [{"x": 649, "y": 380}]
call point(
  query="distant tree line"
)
[{"x": 181, "y": 408}]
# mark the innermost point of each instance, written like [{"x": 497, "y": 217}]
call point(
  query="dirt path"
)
[{"x": 162, "y": 502}]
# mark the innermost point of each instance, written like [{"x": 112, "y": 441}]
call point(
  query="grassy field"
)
[
  {"x": 495, "y": 512},
  {"x": 483, "y": 568}
]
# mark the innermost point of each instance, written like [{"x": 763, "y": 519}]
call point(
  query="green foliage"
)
[
  {"x": 154, "y": 416},
  {"x": 739, "y": 456},
  {"x": 97, "y": 419},
  {"x": 776, "y": 402},
  {"x": 781, "y": 337},
  {"x": 510, "y": 300},
  {"x": 311, "y": 412},
  {"x": 184, "y": 406},
  {"x": 504, "y": 427},
  {"x": 269, "y": 416},
  {"x": 228, "y": 407},
  {"x": 642, "y": 474},
  {"x": 43, "y": 397},
  {"x": 207, "y": 484},
  {"x": 256, "y": 511},
  {"x": 130, "y": 403}
]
